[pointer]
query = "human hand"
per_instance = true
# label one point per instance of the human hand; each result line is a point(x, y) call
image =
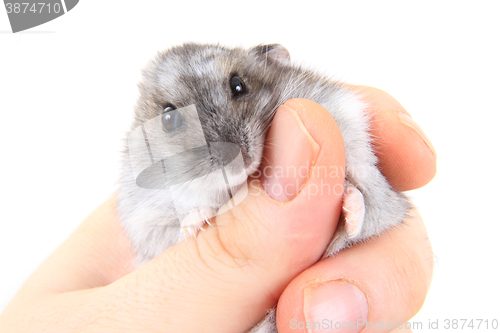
point(225, 279)
point(393, 271)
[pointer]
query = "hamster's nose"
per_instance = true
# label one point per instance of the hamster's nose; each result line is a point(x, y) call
point(223, 153)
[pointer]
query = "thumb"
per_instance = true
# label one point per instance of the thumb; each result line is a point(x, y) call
point(225, 279)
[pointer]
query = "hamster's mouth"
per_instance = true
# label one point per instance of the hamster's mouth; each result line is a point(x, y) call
point(252, 168)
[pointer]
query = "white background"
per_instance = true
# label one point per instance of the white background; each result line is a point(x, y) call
point(67, 90)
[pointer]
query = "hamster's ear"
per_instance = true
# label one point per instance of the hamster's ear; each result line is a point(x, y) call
point(273, 52)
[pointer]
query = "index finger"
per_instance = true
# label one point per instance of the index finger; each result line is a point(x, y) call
point(407, 158)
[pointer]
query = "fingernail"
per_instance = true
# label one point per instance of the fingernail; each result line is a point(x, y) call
point(288, 157)
point(408, 121)
point(336, 306)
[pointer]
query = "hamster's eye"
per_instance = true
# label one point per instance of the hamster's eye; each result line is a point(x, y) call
point(237, 85)
point(171, 119)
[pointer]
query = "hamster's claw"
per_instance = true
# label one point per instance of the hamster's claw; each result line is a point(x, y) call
point(353, 207)
point(196, 220)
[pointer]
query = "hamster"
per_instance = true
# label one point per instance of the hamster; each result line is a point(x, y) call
point(196, 94)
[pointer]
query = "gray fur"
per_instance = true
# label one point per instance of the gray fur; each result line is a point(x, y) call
point(199, 74)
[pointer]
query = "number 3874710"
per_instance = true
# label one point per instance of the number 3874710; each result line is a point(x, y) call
point(32, 8)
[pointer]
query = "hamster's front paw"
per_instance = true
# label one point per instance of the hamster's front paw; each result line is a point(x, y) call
point(367, 211)
point(195, 220)
point(353, 208)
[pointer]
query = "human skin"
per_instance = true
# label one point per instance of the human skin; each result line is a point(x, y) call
point(262, 252)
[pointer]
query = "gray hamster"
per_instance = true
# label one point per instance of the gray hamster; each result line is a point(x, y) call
point(194, 94)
